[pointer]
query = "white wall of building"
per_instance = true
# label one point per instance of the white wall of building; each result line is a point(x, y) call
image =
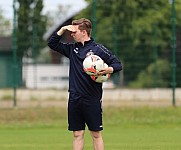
point(43, 76)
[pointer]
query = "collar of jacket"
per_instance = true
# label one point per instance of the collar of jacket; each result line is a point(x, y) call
point(86, 42)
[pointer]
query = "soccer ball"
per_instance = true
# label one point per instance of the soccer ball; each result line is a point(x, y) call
point(101, 78)
point(93, 64)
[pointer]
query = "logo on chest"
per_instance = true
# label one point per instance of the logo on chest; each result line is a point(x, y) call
point(89, 53)
point(76, 50)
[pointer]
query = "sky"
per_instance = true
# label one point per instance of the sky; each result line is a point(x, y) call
point(49, 5)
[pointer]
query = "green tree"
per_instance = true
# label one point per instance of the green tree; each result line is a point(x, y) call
point(38, 28)
point(5, 25)
point(133, 29)
point(23, 27)
point(31, 26)
point(146, 77)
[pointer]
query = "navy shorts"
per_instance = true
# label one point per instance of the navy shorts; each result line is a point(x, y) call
point(82, 112)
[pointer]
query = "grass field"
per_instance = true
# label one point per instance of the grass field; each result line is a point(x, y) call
point(126, 128)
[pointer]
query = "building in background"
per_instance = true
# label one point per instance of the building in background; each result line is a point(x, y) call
point(7, 65)
point(5, 62)
point(42, 76)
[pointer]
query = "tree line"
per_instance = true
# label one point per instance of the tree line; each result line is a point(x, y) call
point(140, 33)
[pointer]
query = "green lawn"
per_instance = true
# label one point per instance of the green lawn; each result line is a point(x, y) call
point(140, 128)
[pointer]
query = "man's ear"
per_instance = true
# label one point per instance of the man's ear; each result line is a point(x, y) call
point(84, 32)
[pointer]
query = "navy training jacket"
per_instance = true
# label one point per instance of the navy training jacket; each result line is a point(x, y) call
point(79, 82)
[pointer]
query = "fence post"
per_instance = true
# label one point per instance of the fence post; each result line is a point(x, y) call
point(14, 47)
point(173, 52)
point(94, 19)
point(155, 55)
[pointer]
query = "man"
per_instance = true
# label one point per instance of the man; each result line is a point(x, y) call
point(85, 95)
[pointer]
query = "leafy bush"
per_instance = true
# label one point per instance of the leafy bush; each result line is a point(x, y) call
point(157, 74)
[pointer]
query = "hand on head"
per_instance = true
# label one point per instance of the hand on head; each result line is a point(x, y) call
point(70, 28)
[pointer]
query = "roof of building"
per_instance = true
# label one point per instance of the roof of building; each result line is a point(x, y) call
point(5, 43)
point(60, 22)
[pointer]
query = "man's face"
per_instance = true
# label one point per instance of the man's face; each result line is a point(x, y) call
point(78, 35)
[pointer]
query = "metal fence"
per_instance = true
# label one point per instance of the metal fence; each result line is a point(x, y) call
point(146, 64)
